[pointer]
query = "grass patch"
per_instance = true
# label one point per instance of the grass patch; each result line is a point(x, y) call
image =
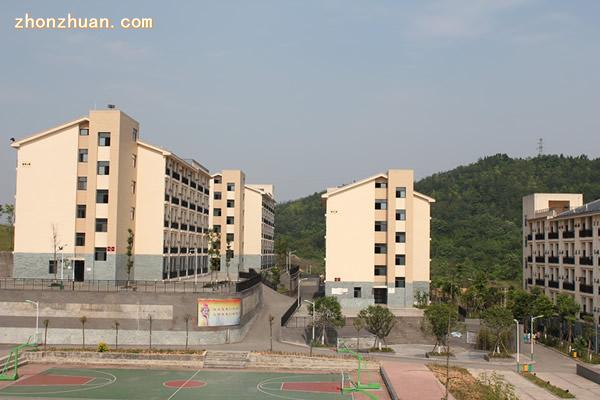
point(105, 349)
point(6, 238)
point(464, 386)
point(562, 393)
point(440, 354)
point(383, 350)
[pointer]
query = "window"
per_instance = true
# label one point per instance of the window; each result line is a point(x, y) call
point(400, 259)
point(103, 139)
point(134, 134)
point(101, 225)
point(400, 215)
point(380, 226)
point(133, 185)
point(84, 132)
point(216, 212)
point(230, 203)
point(400, 192)
point(381, 185)
point(81, 208)
point(229, 237)
point(103, 167)
point(357, 292)
point(102, 196)
point(100, 254)
point(217, 228)
point(82, 183)
point(380, 270)
point(83, 155)
point(381, 204)
point(132, 213)
point(230, 187)
point(400, 282)
point(230, 220)
point(400, 237)
point(134, 160)
point(380, 248)
point(51, 267)
point(80, 239)
point(218, 179)
point(217, 196)
point(229, 254)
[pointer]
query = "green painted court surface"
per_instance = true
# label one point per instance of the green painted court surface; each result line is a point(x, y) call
point(139, 384)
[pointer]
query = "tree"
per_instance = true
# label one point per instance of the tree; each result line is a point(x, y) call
point(150, 331)
point(379, 321)
point(542, 305)
point(83, 320)
point(281, 249)
point(441, 319)
point(587, 334)
point(214, 252)
point(46, 323)
point(358, 324)
point(117, 324)
point(187, 318)
point(55, 246)
point(9, 210)
point(567, 309)
point(328, 313)
point(499, 320)
point(129, 252)
point(520, 304)
point(228, 259)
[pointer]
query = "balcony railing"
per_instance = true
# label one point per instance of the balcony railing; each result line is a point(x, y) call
point(553, 284)
point(540, 236)
point(540, 282)
point(540, 259)
point(529, 259)
point(585, 233)
point(585, 288)
point(583, 315)
point(586, 261)
point(568, 260)
point(568, 285)
point(553, 235)
point(553, 260)
point(529, 237)
point(529, 281)
point(568, 234)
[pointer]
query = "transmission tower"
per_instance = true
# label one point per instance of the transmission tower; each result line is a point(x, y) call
point(540, 146)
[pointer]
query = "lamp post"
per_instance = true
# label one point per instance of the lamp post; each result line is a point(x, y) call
point(62, 260)
point(193, 251)
point(37, 318)
point(289, 259)
point(300, 280)
point(531, 331)
point(313, 320)
point(517, 322)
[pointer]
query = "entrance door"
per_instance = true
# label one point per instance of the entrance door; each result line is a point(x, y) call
point(380, 295)
point(79, 270)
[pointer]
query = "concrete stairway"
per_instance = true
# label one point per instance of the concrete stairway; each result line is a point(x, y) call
point(226, 359)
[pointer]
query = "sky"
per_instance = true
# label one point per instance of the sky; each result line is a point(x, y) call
point(311, 94)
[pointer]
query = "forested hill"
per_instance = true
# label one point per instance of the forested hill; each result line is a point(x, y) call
point(476, 220)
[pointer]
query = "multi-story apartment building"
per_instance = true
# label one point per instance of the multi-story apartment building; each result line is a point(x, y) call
point(259, 227)
point(377, 241)
point(561, 242)
point(85, 187)
point(226, 217)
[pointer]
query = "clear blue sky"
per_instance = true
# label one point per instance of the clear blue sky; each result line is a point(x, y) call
point(304, 94)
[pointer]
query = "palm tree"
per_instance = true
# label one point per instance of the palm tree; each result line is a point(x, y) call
point(46, 322)
point(186, 318)
point(129, 254)
point(83, 320)
point(117, 334)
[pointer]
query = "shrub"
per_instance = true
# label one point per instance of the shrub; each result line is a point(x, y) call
point(102, 347)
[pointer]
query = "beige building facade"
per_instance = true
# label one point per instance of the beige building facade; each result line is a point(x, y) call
point(84, 187)
point(259, 226)
point(377, 241)
point(561, 248)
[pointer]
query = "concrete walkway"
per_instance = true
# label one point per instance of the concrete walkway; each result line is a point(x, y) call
point(582, 388)
point(413, 381)
point(524, 389)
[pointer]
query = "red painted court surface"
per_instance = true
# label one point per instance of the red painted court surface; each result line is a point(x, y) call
point(53, 380)
point(322, 387)
point(183, 384)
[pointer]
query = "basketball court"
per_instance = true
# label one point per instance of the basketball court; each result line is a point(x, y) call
point(51, 382)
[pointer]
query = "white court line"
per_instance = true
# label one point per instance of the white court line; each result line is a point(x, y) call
point(183, 385)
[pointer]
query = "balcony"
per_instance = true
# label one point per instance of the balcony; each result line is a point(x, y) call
point(585, 233)
point(540, 236)
point(553, 260)
point(540, 259)
point(568, 234)
point(585, 288)
point(583, 315)
point(529, 281)
point(540, 282)
point(529, 259)
point(586, 261)
point(553, 284)
point(553, 235)
point(568, 260)
point(568, 286)
point(529, 237)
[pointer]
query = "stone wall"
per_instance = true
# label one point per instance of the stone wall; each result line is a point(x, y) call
point(63, 310)
point(6, 264)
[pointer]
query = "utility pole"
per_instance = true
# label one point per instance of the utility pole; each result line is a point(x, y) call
point(540, 146)
point(271, 318)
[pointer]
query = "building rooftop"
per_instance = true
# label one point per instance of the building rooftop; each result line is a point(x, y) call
point(588, 208)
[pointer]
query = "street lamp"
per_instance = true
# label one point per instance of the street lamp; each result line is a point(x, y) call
point(37, 318)
point(313, 321)
point(62, 260)
point(289, 259)
point(300, 280)
point(517, 322)
point(193, 251)
point(531, 331)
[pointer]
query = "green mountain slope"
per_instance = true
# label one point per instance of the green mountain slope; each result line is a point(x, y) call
point(476, 220)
